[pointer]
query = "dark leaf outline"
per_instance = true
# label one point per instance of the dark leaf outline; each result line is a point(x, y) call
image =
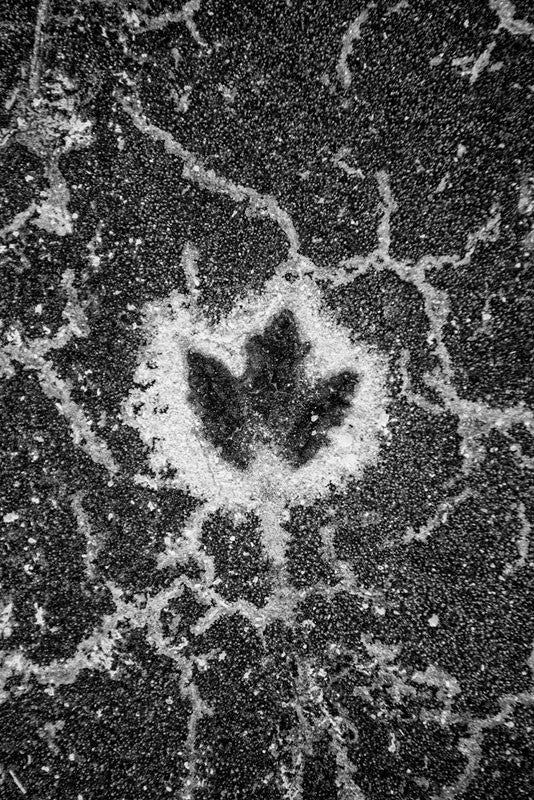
point(272, 401)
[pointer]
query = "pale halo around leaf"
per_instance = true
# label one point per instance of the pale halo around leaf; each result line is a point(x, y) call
point(159, 409)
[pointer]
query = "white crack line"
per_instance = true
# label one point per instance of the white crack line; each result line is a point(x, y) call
point(505, 10)
point(471, 745)
point(92, 545)
point(352, 34)
point(437, 310)
point(261, 205)
point(144, 23)
point(35, 66)
point(32, 356)
point(440, 517)
point(59, 390)
point(522, 542)
point(18, 221)
point(469, 66)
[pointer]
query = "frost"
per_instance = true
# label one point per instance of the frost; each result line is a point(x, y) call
point(52, 213)
point(47, 123)
point(505, 10)
point(353, 33)
point(6, 624)
point(32, 355)
point(160, 410)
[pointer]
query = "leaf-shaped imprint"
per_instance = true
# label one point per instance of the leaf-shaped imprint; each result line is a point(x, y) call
point(272, 402)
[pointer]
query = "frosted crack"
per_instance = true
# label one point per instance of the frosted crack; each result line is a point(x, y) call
point(143, 23)
point(92, 544)
point(32, 356)
point(440, 517)
point(35, 66)
point(178, 550)
point(59, 390)
point(188, 263)
point(505, 10)
point(473, 68)
point(352, 34)
point(471, 745)
point(193, 170)
point(93, 652)
point(475, 418)
point(18, 221)
point(522, 542)
point(199, 710)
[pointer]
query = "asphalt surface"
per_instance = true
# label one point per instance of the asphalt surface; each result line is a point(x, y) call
point(267, 400)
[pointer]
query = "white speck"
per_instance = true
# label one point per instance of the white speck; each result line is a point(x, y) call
point(433, 621)
point(12, 516)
